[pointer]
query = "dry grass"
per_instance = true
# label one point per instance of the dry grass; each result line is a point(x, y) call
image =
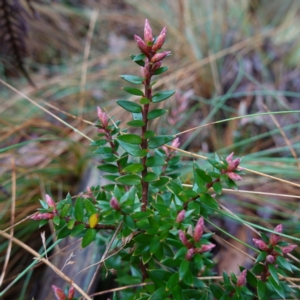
point(237, 60)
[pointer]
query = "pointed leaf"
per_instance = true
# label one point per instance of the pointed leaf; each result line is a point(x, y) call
point(130, 106)
point(133, 79)
point(133, 91)
point(161, 96)
point(184, 267)
point(133, 168)
point(131, 179)
point(78, 212)
point(130, 138)
point(132, 149)
point(136, 123)
point(88, 237)
point(160, 70)
point(109, 168)
point(159, 140)
point(156, 113)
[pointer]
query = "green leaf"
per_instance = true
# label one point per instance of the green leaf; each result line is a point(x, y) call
point(261, 256)
point(136, 123)
point(130, 179)
point(150, 177)
point(156, 113)
point(160, 70)
point(130, 106)
point(160, 182)
point(181, 253)
point(128, 279)
point(159, 294)
point(217, 188)
point(88, 237)
point(154, 244)
point(64, 211)
point(132, 149)
point(133, 91)
point(78, 212)
point(202, 174)
point(89, 206)
point(172, 281)
point(56, 220)
point(251, 279)
point(146, 256)
point(273, 272)
point(144, 100)
point(159, 140)
point(77, 229)
point(154, 161)
point(161, 96)
point(277, 287)
point(133, 79)
point(129, 222)
point(261, 289)
point(209, 201)
point(133, 168)
point(184, 267)
point(216, 291)
point(70, 224)
point(283, 263)
point(130, 138)
point(109, 168)
point(149, 134)
point(64, 232)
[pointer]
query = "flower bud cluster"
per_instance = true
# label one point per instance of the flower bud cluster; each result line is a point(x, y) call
point(233, 165)
point(197, 234)
point(47, 215)
point(60, 295)
point(151, 48)
point(102, 116)
point(270, 246)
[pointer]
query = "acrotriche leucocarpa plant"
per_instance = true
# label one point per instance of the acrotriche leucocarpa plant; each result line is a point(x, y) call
point(162, 246)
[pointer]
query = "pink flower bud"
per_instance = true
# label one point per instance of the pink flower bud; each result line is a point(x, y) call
point(184, 240)
point(42, 216)
point(59, 294)
point(275, 238)
point(148, 37)
point(102, 117)
point(141, 44)
point(160, 56)
point(260, 244)
point(50, 202)
point(242, 278)
point(229, 157)
point(166, 149)
point(205, 248)
point(101, 130)
point(175, 143)
point(289, 248)
point(156, 66)
point(114, 203)
point(160, 40)
point(234, 176)
point(270, 259)
point(71, 293)
point(189, 255)
point(180, 216)
point(198, 232)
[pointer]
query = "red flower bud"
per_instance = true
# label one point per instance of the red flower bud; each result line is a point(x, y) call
point(160, 40)
point(160, 56)
point(260, 244)
point(71, 293)
point(114, 203)
point(59, 294)
point(141, 44)
point(42, 216)
point(156, 66)
point(242, 278)
point(234, 176)
point(180, 216)
point(198, 231)
point(205, 248)
point(289, 248)
point(189, 255)
point(148, 37)
point(102, 117)
point(184, 240)
point(270, 259)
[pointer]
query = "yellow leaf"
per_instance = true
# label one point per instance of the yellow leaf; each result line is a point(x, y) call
point(93, 220)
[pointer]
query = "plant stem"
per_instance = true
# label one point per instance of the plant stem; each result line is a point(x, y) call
point(148, 95)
